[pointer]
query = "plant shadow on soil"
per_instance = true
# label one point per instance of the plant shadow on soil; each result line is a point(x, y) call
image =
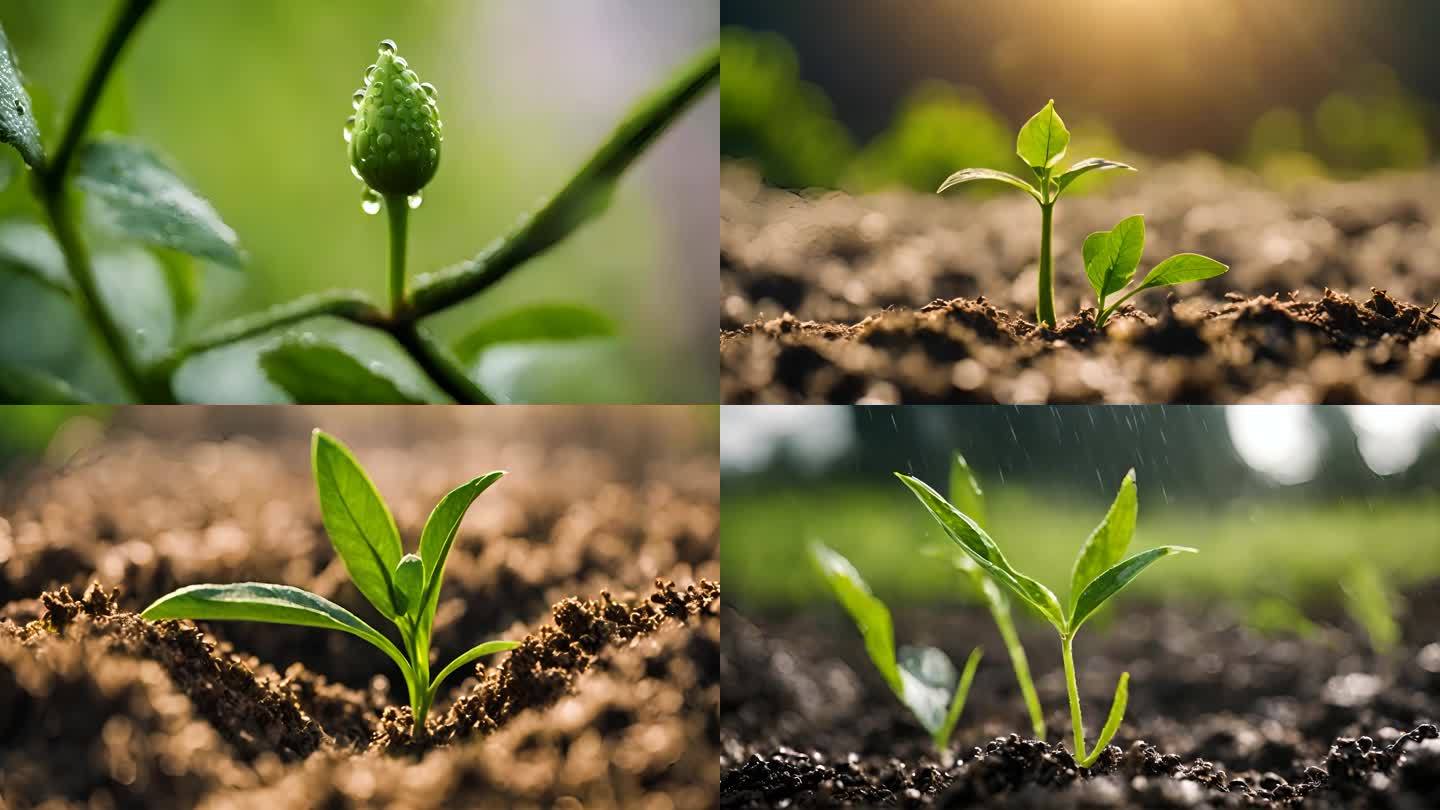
point(1331, 296)
point(1218, 717)
point(610, 701)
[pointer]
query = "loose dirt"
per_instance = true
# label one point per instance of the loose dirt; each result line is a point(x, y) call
point(611, 700)
point(1331, 296)
point(1219, 716)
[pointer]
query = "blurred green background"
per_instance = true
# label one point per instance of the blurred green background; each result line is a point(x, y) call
point(1285, 503)
point(248, 100)
point(863, 95)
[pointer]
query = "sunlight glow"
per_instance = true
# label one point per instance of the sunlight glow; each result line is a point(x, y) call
point(1280, 441)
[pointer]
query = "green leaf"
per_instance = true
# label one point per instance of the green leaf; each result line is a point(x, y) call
point(1112, 722)
point(478, 651)
point(983, 551)
point(275, 604)
point(957, 703)
point(1112, 266)
point(581, 199)
point(540, 322)
point(359, 524)
point(1107, 544)
point(1181, 268)
point(969, 175)
point(132, 284)
point(17, 115)
point(1044, 138)
point(927, 681)
point(182, 280)
point(1077, 170)
point(438, 536)
point(409, 580)
point(1113, 579)
point(1370, 601)
point(27, 386)
point(314, 373)
point(134, 194)
point(870, 615)
point(29, 249)
point(965, 490)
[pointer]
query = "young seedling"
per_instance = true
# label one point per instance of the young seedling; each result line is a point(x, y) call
point(965, 492)
point(405, 588)
point(921, 677)
point(1042, 143)
point(1099, 573)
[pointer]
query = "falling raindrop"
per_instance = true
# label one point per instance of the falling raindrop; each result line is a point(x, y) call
point(415, 200)
point(387, 46)
point(349, 128)
point(370, 201)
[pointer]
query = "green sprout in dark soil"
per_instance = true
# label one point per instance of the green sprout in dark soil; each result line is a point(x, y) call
point(1099, 573)
point(1110, 256)
point(405, 588)
point(921, 677)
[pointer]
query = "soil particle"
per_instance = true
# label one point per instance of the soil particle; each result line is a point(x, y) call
point(1326, 301)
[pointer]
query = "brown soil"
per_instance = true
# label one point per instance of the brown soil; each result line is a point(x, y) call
point(610, 701)
point(1331, 296)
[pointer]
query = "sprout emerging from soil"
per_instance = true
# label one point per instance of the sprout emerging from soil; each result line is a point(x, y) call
point(1110, 256)
point(405, 588)
point(1099, 573)
point(921, 677)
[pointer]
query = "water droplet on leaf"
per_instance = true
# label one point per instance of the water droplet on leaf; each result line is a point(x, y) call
point(370, 202)
point(415, 200)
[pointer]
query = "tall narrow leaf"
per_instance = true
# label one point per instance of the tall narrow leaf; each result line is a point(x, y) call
point(439, 535)
point(1111, 581)
point(869, 613)
point(957, 702)
point(1044, 139)
point(359, 524)
point(983, 550)
point(1107, 544)
point(965, 490)
point(1117, 713)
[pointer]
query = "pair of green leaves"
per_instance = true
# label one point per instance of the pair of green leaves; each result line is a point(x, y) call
point(404, 588)
point(1042, 144)
point(1112, 256)
point(921, 677)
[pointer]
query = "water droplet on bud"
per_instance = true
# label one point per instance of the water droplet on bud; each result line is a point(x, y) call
point(357, 98)
point(370, 201)
point(370, 72)
point(430, 90)
point(356, 172)
point(349, 128)
point(401, 63)
point(415, 200)
point(387, 46)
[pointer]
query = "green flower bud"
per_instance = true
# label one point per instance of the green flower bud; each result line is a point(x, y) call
point(394, 135)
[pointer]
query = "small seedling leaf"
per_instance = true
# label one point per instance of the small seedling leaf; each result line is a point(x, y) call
point(359, 524)
point(1117, 714)
point(1113, 579)
point(1107, 545)
point(870, 615)
point(261, 602)
point(1111, 264)
point(17, 114)
point(439, 535)
point(983, 550)
point(970, 175)
point(581, 199)
point(927, 681)
point(313, 373)
point(957, 702)
point(478, 651)
point(541, 322)
point(1371, 602)
point(409, 581)
point(1077, 170)
point(1181, 268)
point(134, 194)
point(1044, 138)
point(28, 386)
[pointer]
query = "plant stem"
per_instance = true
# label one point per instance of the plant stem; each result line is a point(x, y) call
point(1045, 304)
point(77, 262)
point(398, 210)
point(435, 361)
point(1021, 666)
point(128, 18)
point(1073, 689)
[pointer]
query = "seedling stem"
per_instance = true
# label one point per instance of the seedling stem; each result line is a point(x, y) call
point(1045, 302)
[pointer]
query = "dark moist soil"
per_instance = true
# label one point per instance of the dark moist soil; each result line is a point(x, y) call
point(611, 700)
point(1331, 295)
point(1218, 716)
